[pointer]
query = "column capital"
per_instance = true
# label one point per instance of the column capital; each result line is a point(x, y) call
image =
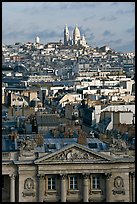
point(41, 176)
point(132, 173)
point(85, 175)
point(108, 175)
point(63, 176)
point(12, 176)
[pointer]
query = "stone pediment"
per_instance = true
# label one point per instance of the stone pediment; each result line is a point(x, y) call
point(73, 153)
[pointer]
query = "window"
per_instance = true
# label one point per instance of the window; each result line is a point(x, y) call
point(73, 183)
point(51, 183)
point(93, 145)
point(95, 182)
point(51, 146)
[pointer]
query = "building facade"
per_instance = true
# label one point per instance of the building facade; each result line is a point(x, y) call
point(72, 174)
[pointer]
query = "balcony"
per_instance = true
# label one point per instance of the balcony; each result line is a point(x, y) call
point(6, 155)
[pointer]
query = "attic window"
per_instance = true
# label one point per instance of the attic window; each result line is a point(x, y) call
point(101, 146)
point(65, 144)
point(93, 145)
point(51, 146)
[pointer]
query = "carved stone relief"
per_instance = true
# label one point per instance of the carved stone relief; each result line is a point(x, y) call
point(118, 186)
point(74, 154)
point(28, 187)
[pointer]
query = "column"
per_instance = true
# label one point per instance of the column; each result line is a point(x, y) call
point(63, 187)
point(86, 188)
point(108, 187)
point(133, 185)
point(41, 187)
point(130, 187)
point(12, 188)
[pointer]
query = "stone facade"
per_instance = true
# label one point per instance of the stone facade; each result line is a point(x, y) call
point(73, 173)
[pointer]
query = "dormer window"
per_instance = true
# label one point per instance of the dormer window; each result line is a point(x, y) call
point(51, 146)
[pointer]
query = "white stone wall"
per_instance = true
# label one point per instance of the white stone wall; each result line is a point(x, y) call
point(27, 171)
point(119, 197)
point(126, 118)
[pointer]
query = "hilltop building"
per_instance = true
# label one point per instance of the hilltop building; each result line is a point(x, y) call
point(77, 39)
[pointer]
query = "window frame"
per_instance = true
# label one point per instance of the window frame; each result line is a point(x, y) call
point(95, 182)
point(74, 185)
point(50, 185)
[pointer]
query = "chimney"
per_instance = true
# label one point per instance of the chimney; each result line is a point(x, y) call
point(82, 138)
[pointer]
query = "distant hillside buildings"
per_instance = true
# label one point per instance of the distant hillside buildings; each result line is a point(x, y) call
point(68, 122)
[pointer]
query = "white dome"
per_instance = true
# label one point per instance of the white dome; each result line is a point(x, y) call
point(76, 32)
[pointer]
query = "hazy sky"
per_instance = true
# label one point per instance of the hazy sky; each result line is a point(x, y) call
point(111, 23)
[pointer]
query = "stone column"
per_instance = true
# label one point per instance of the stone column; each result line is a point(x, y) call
point(132, 174)
point(41, 187)
point(12, 188)
point(133, 186)
point(85, 188)
point(108, 187)
point(63, 187)
point(130, 187)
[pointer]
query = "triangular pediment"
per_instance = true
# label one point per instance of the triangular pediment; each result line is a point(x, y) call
point(73, 153)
